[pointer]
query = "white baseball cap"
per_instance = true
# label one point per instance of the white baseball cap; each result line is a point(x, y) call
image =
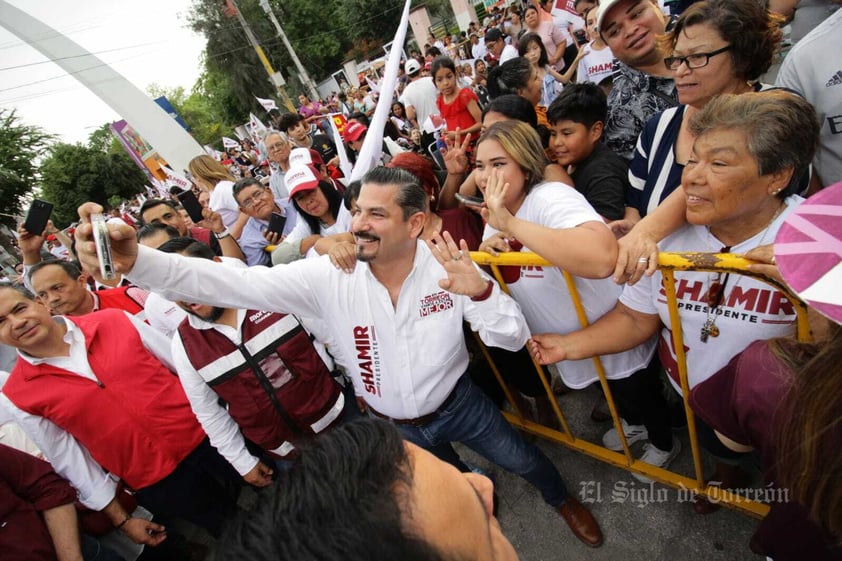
point(300, 178)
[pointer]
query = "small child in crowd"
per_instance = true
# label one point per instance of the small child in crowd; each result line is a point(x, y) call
point(577, 117)
point(458, 107)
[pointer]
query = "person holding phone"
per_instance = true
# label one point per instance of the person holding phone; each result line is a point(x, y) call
point(269, 220)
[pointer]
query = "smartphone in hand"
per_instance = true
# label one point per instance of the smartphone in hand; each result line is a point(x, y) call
point(276, 223)
point(192, 205)
point(37, 217)
point(467, 200)
point(103, 247)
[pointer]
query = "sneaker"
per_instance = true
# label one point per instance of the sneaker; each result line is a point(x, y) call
point(658, 458)
point(611, 438)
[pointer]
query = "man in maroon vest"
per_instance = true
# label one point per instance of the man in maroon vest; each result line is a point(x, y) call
point(97, 396)
point(266, 368)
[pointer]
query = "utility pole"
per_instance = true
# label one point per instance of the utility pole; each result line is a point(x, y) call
point(302, 72)
point(275, 77)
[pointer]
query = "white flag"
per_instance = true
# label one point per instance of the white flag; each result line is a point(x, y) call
point(344, 163)
point(268, 104)
point(176, 179)
point(372, 147)
point(229, 143)
point(258, 129)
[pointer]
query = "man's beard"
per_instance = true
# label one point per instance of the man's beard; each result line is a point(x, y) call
point(363, 257)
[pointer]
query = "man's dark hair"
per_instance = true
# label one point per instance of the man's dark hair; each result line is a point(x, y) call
point(175, 190)
point(344, 498)
point(334, 202)
point(432, 51)
point(19, 288)
point(71, 268)
point(289, 120)
point(187, 247)
point(411, 195)
point(583, 103)
point(152, 203)
point(149, 230)
point(247, 182)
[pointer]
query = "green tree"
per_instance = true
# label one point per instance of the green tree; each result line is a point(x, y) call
point(21, 147)
point(202, 115)
point(73, 173)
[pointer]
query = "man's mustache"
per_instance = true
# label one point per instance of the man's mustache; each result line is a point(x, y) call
point(366, 236)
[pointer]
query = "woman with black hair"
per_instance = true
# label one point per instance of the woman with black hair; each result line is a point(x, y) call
point(518, 76)
point(320, 213)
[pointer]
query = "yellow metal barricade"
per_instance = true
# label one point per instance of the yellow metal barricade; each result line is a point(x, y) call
point(667, 264)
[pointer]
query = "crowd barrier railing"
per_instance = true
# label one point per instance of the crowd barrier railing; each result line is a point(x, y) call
point(668, 263)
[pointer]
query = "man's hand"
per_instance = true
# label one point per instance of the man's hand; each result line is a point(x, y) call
point(273, 238)
point(259, 476)
point(30, 244)
point(547, 348)
point(123, 242)
point(456, 157)
point(212, 221)
point(144, 531)
point(462, 276)
point(344, 256)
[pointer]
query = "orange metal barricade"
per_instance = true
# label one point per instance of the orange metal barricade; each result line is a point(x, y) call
point(667, 264)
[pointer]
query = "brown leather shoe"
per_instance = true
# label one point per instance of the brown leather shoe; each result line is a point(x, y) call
point(581, 522)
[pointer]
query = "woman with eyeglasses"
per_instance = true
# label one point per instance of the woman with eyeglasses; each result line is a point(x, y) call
point(718, 46)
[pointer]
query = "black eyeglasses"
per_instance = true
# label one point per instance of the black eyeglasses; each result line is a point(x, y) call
point(696, 60)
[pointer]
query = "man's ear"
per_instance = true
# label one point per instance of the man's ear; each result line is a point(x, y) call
point(416, 223)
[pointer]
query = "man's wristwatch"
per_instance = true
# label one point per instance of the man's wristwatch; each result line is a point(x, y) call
point(223, 234)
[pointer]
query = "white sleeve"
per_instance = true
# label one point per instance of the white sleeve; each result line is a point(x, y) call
point(223, 431)
point(497, 319)
point(561, 206)
point(68, 457)
point(289, 288)
point(155, 342)
point(300, 231)
point(638, 297)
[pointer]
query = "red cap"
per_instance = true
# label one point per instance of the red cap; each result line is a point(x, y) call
point(300, 178)
point(353, 131)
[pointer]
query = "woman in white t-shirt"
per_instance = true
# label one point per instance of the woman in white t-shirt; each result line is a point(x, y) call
point(320, 213)
point(526, 213)
point(213, 177)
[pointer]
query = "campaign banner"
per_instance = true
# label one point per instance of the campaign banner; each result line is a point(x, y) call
point(229, 143)
point(267, 104)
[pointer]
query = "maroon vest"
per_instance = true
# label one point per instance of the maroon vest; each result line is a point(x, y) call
point(277, 387)
point(136, 423)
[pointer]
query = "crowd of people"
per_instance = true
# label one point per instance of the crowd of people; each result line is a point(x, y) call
point(303, 335)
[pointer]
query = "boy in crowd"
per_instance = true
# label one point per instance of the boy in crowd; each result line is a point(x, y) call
point(295, 126)
point(577, 119)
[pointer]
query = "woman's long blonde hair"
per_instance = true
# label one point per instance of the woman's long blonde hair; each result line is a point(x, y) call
point(209, 170)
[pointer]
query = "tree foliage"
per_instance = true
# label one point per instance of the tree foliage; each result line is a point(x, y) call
point(206, 122)
point(21, 147)
point(73, 173)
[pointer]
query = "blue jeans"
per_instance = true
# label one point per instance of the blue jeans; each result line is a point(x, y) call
point(472, 419)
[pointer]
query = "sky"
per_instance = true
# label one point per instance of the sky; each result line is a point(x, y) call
point(147, 42)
